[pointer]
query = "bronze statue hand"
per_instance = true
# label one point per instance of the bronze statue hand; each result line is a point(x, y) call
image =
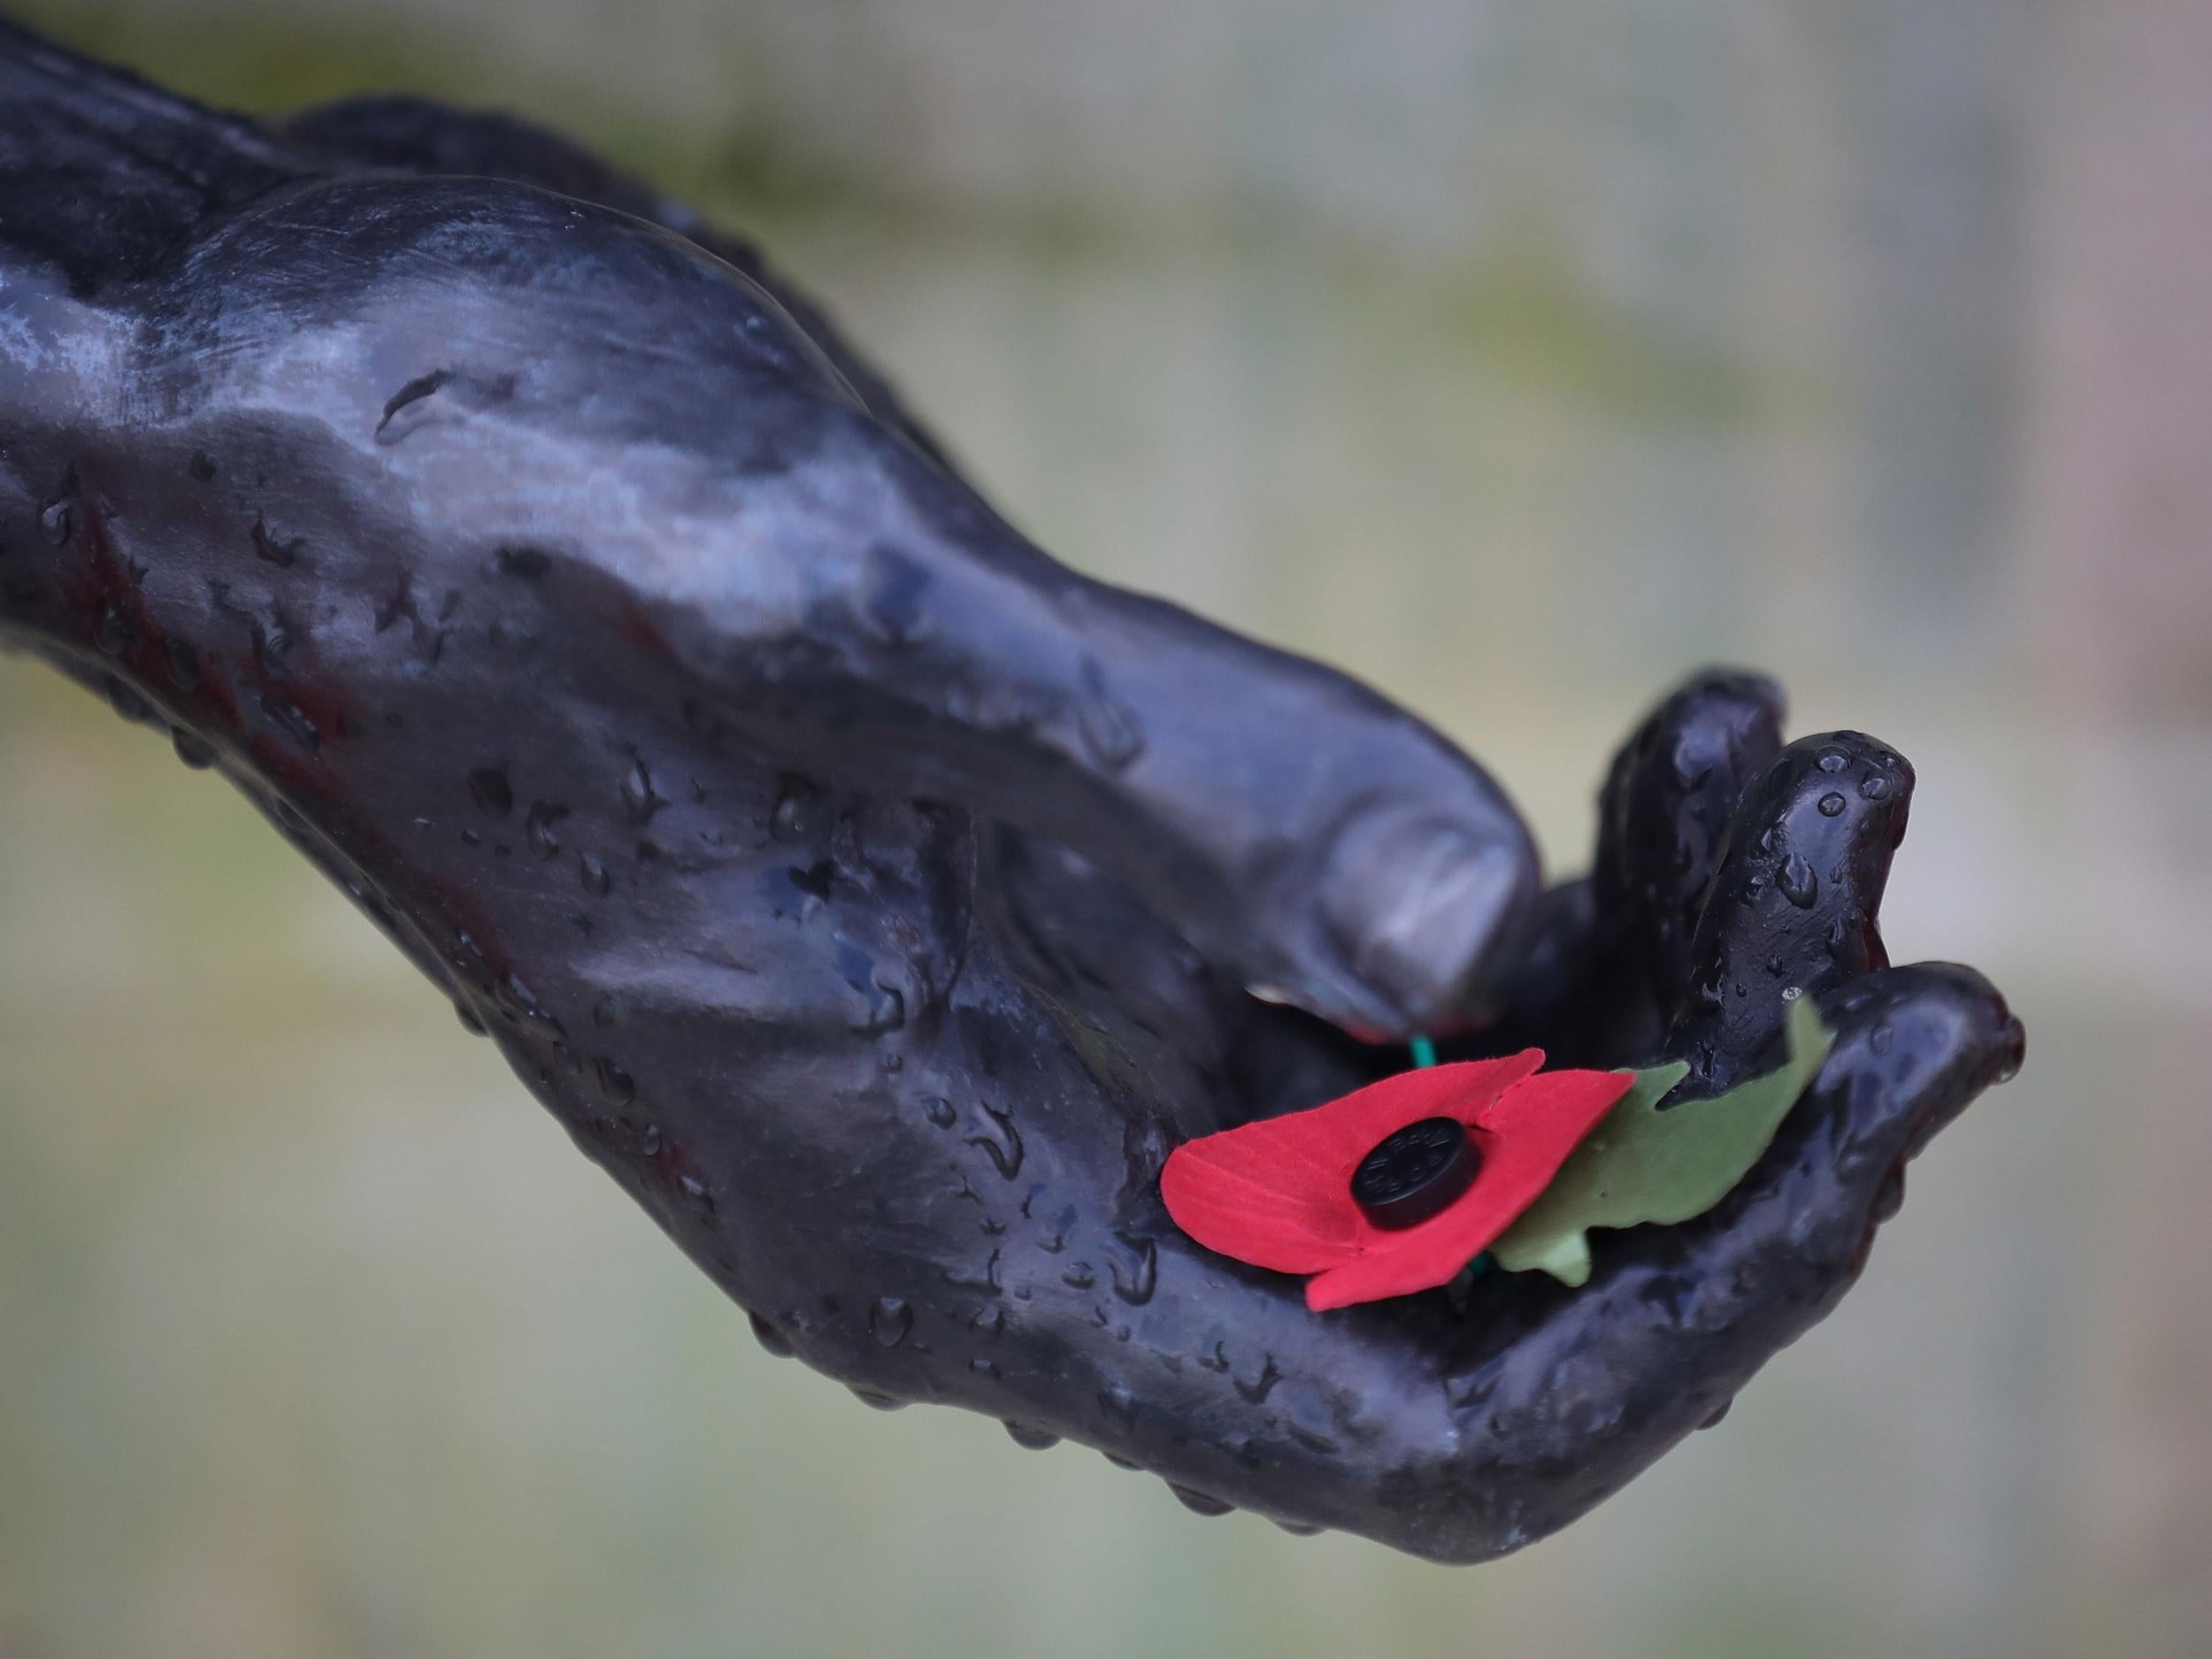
point(875, 900)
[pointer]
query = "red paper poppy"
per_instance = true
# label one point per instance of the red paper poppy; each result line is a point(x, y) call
point(1279, 1194)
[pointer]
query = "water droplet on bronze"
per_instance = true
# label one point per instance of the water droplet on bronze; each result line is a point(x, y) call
point(1003, 1145)
point(1108, 727)
point(403, 411)
point(1797, 882)
point(127, 701)
point(891, 598)
point(271, 548)
point(2013, 1054)
point(617, 1085)
point(889, 1320)
point(184, 666)
point(114, 634)
point(488, 788)
point(1199, 1502)
point(640, 800)
point(800, 814)
point(1135, 1285)
point(1120, 1406)
point(540, 827)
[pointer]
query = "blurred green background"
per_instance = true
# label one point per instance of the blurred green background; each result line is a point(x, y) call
point(1516, 359)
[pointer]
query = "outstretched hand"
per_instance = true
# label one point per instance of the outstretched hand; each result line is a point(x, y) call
point(875, 900)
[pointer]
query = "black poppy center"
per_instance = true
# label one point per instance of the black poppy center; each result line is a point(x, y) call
point(1416, 1172)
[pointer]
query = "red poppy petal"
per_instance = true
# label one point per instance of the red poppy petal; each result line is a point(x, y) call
point(1546, 1106)
point(1397, 1269)
point(1278, 1193)
point(1229, 1211)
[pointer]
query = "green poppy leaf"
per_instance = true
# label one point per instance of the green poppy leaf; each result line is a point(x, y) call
point(1641, 1164)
